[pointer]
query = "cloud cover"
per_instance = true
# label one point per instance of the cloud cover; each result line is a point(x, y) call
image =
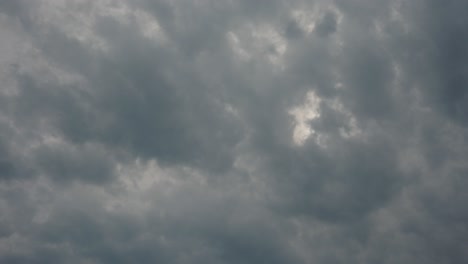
point(172, 131)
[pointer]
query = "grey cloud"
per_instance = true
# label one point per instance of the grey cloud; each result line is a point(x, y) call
point(430, 48)
point(327, 24)
point(134, 101)
point(369, 76)
point(63, 163)
point(6, 166)
point(163, 131)
point(292, 30)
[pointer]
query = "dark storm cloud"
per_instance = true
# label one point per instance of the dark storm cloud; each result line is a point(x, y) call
point(132, 99)
point(293, 31)
point(435, 56)
point(233, 132)
point(326, 25)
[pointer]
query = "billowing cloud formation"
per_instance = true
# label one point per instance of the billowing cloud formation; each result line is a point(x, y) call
point(170, 131)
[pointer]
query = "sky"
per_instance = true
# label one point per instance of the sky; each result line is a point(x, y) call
point(234, 131)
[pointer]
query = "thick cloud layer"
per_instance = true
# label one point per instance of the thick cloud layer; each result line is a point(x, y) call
point(171, 131)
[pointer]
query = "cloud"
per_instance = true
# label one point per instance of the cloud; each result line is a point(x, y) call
point(233, 132)
point(327, 24)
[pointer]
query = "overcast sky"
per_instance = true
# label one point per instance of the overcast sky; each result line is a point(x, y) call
point(234, 131)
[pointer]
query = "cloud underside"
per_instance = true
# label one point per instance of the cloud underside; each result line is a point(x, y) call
point(172, 131)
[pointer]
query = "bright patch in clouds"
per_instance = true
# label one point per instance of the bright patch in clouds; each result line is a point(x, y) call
point(302, 115)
